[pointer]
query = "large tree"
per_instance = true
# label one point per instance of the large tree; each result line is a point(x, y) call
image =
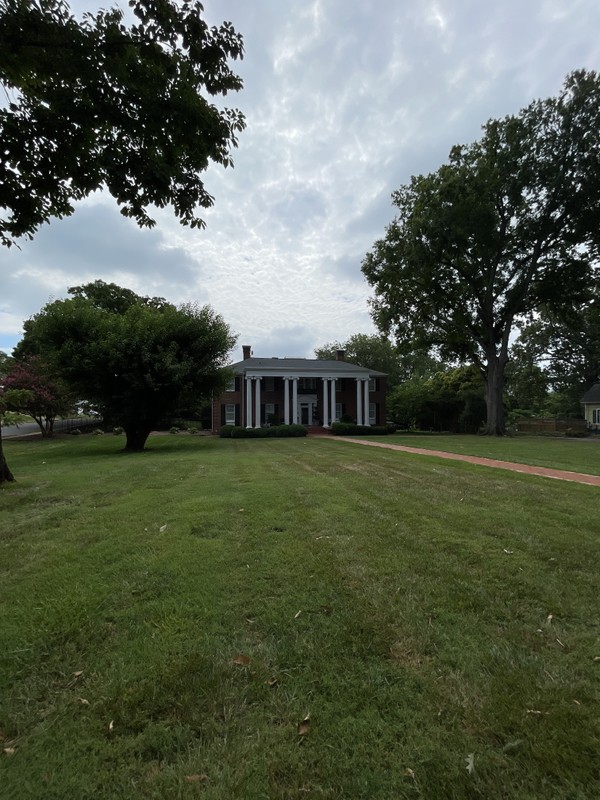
point(511, 223)
point(137, 359)
point(567, 346)
point(378, 352)
point(95, 104)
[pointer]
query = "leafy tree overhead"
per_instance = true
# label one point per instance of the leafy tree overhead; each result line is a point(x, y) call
point(45, 398)
point(138, 360)
point(96, 104)
point(510, 224)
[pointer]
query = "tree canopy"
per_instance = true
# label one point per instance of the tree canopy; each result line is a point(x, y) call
point(44, 397)
point(510, 224)
point(96, 104)
point(378, 352)
point(567, 346)
point(137, 360)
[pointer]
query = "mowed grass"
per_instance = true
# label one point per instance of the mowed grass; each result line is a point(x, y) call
point(576, 455)
point(436, 622)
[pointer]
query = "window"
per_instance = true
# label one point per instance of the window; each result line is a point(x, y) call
point(372, 384)
point(338, 412)
point(307, 384)
point(596, 416)
point(269, 384)
point(230, 414)
point(230, 386)
point(372, 413)
point(269, 411)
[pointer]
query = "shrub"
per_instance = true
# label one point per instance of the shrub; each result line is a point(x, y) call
point(97, 432)
point(350, 429)
point(174, 429)
point(295, 430)
point(75, 432)
point(193, 429)
point(118, 431)
point(238, 432)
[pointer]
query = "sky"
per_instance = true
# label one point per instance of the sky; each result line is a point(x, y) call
point(344, 101)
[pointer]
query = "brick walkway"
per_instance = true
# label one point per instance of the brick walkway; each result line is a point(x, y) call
point(544, 472)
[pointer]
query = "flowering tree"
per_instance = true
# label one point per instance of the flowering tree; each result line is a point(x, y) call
point(43, 399)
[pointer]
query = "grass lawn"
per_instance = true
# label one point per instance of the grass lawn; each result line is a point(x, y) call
point(577, 455)
point(287, 618)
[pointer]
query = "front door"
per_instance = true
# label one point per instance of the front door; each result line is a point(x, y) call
point(305, 413)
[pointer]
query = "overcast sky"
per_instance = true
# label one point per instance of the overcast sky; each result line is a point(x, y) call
point(344, 101)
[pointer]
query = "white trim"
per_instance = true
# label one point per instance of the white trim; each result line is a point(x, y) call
point(257, 404)
point(325, 403)
point(248, 402)
point(295, 399)
point(286, 400)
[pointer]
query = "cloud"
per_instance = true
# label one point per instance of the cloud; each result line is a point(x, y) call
point(344, 102)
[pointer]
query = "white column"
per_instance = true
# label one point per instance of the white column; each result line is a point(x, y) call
point(248, 402)
point(358, 402)
point(333, 400)
point(325, 404)
point(294, 400)
point(366, 409)
point(257, 403)
point(286, 400)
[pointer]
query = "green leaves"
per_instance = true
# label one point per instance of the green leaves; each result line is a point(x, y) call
point(137, 359)
point(510, 223)
point(98, 104)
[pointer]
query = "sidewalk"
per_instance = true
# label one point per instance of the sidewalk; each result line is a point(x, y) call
point(528, 469)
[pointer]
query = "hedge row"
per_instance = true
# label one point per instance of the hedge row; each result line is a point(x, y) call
point(238, 432)
point(351, 429)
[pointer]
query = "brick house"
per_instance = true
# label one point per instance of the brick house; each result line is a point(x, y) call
point(308, 391)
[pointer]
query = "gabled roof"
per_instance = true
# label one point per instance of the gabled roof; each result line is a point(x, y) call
point(308, 366)
point(592, 395)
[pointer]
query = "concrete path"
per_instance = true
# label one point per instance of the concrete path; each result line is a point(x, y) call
point(528, 469)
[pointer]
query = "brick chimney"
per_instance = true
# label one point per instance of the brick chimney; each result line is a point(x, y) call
point(246, 351)
point(339, 355)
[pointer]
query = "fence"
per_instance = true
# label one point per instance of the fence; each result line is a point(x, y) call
point(550, 425)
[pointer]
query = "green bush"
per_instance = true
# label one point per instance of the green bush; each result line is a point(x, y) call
point(75, 432)
point(97, 432)
point(350, 429)
point(193, 429)
point(239, 432)
point(293, 430)
point(118, 431)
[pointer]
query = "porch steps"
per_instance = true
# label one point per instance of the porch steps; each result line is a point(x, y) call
point(318, 430)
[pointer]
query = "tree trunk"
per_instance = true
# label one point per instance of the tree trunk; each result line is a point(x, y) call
point(6, 475)
point(494, 392)
point(136, 438)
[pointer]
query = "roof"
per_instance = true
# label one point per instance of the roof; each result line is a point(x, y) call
point(592, 395)
point(308, 367)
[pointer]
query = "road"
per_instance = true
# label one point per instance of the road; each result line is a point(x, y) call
point(29, 428)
